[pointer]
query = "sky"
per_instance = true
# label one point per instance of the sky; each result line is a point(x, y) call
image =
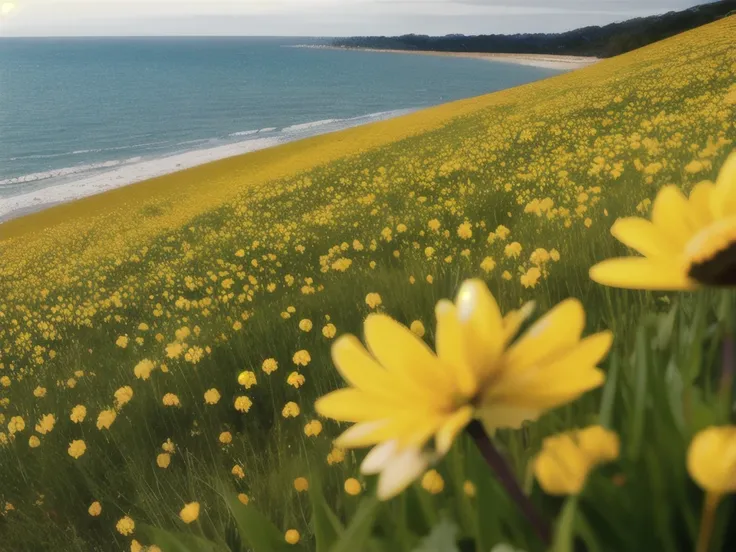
point(314, 17)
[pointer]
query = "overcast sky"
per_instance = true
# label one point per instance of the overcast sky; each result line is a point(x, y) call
point(314, 17)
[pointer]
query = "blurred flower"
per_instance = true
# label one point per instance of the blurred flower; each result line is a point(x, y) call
point(292, 536)
point(373, 300)
point(76, 448)
point(353, 487)
point(689, 242)
point(301, 484)
point(212, 396)
point(269, 365)
point(432, 482)
point(711, 459)
point(125, 526)
point(190, 512)
point(95, 509)
point(563, 464)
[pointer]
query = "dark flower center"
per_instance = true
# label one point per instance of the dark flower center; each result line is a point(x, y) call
point(717, 270)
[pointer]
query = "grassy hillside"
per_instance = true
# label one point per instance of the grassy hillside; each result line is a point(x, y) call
point(143, 305)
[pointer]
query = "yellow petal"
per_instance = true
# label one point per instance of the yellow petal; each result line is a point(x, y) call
point(554, 333)
point(408, 358)
point(671, 215)
point(360, 369)
point(514, 320)
point(641, 273)
point(451, 427)
point(365, 433)
point(353, 405)
point(561, 469)
point(405, 467)
point(379, 457)
point(711, 459)
point(598, 444)
point(645, 237)
point(482, 325)
point(723, 199)
point(451, 349)
point(700, 203)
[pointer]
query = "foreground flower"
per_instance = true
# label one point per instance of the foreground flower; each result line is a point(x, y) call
point(689, 242)
point(711, 462)
point(411, 403)
point(565, 460)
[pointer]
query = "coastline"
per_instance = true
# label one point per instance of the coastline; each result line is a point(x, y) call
point(545, 61)
point(126, 173)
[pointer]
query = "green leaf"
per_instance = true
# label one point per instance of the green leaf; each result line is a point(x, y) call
point(176, 542)
point(608, 399)
point(358, 532)
point(638, 418)
point(325, 523)
point(442, 538)
point(255, 529)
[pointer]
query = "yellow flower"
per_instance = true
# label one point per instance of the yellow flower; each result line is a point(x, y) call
point(247, 379)
point(353, 487)
point(76, 448)
point(305, 325)
point(105, 419)
point(243, 498)
point(373, 300)
point(301, 358)
point(329, 331)
point(531, 277)
point(16, 424)
point(135, 546)
point(401, 395)
point(143, 369)
point(336, 456)
point(512, 250)
point(432, 482)
point(269, 365)
point(39, 392)
point(226, 438)
point(290, 410)
point(125, 526)
point(122, 341)
point(168, 446)
point(465, 231)
point(238, 471)
point(469, 489)
point(563, 464)
point(243, 404)
point(292, 536)
point(95, 509)
point(711, 459)
point(295, 379)
point(418, 328)
point(169, 399)
point(488, 264)
point(313, 428)
point(689, 242)
point(78, 414)
point(506, 275)
point(301, 484)
point(212, 396)
point(190, 512)
point(45, 424)
point(34, 441)
point(123, 396)
point(163, 460)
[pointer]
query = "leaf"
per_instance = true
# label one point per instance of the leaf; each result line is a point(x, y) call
point(176, 542)
point(255, 529)
point(608, 399)
point(442, 538)
point(325, 523)
point(564, 539)
point(358, 532)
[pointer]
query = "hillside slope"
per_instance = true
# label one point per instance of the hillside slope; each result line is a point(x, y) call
point(128, 316)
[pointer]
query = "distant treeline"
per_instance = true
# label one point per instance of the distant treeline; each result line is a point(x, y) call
point(606, 41)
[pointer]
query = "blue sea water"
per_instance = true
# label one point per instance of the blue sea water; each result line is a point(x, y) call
point(74, 107)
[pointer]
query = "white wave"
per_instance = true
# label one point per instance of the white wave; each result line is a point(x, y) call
point(308, 126)
point(56, 173)
point(244, 133)
point(268, 129)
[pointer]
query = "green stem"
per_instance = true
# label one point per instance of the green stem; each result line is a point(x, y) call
point(565, 530)
point(708, 521)
point(506, 477)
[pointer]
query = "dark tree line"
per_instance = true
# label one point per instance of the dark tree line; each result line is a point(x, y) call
point(609, 40)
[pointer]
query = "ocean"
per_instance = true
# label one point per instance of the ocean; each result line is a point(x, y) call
point(81, 115)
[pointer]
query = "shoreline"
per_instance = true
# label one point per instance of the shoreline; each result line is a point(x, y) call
point(544, 61)
point(125, 174)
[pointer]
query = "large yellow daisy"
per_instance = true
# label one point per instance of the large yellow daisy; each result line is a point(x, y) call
point(410, 403)
point(690, 242)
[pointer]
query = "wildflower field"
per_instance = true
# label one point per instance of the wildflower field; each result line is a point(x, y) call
point(162, 345)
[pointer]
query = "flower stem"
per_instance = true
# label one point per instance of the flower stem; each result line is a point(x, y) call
point(500, 467)
point(708, 521)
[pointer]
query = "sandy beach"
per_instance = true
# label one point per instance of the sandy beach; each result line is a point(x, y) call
point(562, 63)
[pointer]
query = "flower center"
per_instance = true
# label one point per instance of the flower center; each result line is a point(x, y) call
point(711, 254)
